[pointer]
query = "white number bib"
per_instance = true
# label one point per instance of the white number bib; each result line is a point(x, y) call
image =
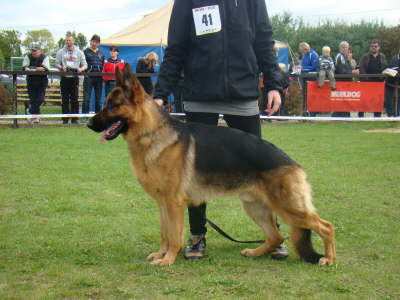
point(207, 19)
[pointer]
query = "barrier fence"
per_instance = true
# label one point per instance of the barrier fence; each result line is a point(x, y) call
point(15, 116)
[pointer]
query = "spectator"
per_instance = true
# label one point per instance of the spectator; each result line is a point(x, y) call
point(95, 61)
point(343, 66)
point(146, 65)
point(70, 59)
point(221, 61)
point(390, 91)
point(326, 68)
point(109, 67)
point(353, 62)
point(309, 64)
point(309, 60)
point(373, 62)
point(285, 86)
point(37, 84)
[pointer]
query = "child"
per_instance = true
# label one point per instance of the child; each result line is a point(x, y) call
point(326, 68)
point(109, 67)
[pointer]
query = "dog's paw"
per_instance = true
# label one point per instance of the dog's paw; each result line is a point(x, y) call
point(162, 262)
point(323, 261)
point(155, 256)
point(249, 252)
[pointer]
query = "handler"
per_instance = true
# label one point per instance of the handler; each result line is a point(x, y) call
point(222, 47)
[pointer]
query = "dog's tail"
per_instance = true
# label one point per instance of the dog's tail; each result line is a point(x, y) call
point(302, 242)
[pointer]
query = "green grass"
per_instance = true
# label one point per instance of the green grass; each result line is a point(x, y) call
point(74, 224)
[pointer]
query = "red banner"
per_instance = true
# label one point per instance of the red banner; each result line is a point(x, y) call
point(348, 96)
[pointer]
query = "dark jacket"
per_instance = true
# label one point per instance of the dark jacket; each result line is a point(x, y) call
point(394, 64)
point(342, 66)
point(95, 60)
point(146, 82)
point(33, 79)
point(223, 65)
point(364, 64)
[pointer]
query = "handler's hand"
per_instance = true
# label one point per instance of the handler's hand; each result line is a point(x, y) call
point(159, 101)
point(274, 102)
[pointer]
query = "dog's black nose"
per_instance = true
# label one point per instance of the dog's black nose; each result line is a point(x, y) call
point(90, 123)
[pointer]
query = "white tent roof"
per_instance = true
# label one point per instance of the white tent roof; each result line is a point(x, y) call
point(151, 30)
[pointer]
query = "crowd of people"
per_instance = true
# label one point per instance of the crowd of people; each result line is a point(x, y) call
point(325, 67)
point(71, 59)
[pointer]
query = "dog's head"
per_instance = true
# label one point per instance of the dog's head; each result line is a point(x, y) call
point(123, 106)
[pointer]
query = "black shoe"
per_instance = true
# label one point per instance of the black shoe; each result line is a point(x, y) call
point(196, 247)
point(280, 253)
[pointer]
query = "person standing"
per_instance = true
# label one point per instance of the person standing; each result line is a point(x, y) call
point(343, 66)
point(70, 59)
point(109, 67)
point(373, 62)
point(37, 84)
point(221, 46)
point(146, 66)
point(390, 91)
point(95, 61)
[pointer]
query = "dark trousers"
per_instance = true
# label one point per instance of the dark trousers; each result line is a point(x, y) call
point(69, 94)
point(250, 124)
point(89, 84)
point(36, 91)
point(109, 85)
point(390, 102)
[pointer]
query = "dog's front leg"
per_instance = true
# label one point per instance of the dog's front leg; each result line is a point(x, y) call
point(164, 235)
point(174, 222)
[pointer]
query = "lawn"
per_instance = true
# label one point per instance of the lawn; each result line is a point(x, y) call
point(74, 224)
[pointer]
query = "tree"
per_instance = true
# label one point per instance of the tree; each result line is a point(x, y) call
point(390, 41)
point(80, 40)
point(10, 43)
point(326, 33)
point(44, 38)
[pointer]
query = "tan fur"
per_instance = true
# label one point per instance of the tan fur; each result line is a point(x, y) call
point(166, 170)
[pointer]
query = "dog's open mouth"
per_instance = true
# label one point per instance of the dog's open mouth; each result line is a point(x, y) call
point(113, 131)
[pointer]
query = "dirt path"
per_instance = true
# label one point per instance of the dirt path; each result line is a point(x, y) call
point(389, 130)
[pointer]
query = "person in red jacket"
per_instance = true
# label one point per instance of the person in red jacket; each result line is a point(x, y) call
point(109, 67)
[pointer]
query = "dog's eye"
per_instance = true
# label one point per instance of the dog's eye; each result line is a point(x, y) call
point(111, 106)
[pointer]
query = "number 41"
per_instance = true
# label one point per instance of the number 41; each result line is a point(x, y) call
point(207, 19)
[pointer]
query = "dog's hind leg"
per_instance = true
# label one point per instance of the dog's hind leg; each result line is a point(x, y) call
point(289, 195)
point(261, 214)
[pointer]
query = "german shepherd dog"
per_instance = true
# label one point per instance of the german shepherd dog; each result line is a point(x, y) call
point(182, 164)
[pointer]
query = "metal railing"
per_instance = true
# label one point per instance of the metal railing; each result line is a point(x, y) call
point(15, 74)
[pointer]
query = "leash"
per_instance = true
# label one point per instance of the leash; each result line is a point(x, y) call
point(224, 234)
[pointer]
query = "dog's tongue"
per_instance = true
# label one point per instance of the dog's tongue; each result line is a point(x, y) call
point(108, 132)
point(102, 138)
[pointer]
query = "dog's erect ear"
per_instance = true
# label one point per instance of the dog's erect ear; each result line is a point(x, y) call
point(124, 79)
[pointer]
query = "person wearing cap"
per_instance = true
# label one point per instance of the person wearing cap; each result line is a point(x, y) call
point(36, 83)
point(70, 59)
point(109, 67)
point(95, 61)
